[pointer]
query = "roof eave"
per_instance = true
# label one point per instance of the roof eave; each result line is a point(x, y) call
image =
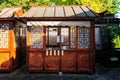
point(57, 18)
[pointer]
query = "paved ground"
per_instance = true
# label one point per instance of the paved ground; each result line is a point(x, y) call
point(102, 73)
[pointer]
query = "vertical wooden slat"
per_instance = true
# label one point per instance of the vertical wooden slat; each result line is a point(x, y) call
point(11, 44)
point(28, 45)
point(92, 55)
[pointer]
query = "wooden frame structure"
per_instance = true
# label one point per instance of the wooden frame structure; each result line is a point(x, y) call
point(60, 39)
point(10, 38)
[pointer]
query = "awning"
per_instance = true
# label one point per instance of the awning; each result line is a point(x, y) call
point(58, 23)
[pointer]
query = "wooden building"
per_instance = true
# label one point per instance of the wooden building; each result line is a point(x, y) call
point(10, 37)
point(60, 39)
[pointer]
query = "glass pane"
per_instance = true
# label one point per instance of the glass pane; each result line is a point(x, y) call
point(51, 37)
point(83, 37)
point(73, 37)
point(64, 36)
point(36, 37)
point(4, 28)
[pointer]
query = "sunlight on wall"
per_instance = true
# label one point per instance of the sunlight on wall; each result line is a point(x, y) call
point(4, 60)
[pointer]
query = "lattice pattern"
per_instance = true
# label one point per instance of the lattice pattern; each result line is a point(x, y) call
point(4, 28)
point(83, 37)
point(36, 37)
point(73, 37)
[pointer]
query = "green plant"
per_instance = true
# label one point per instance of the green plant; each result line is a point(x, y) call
point(107, 43)
point(109, 33)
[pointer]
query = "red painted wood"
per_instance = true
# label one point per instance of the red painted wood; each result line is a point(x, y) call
point(35, 61)
point(52, 63)
point(83, 61)
point(68, 61)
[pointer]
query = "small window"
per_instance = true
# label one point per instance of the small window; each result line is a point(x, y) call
point(4, 29)
point(83, 37)
point(73, 37)
point(36, 37)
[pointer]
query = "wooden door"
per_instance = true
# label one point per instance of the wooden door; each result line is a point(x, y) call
point(83, 46)
point(35, 41)
point(68, 57)
point(52, 57)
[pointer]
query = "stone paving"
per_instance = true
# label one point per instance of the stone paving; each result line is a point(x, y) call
point(102, 73)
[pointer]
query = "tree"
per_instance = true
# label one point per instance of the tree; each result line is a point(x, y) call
point(98, 6)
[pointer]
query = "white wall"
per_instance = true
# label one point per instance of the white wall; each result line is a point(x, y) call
point(97, 38)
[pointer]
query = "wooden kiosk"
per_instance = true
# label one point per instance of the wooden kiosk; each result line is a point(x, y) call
point(10, 37)
point(60, 39)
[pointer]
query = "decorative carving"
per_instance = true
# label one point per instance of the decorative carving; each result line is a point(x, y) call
point(83, 37)
point(35, 60)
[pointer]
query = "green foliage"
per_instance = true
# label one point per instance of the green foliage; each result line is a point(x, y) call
point(117, 41)
point(107, 43)
point(96, 5)
point(99, 6)
point(109, 34)
point(115, 32)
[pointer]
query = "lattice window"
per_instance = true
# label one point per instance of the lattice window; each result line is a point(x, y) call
point(65, 36)
point(4, 29)
point(36, 37)
point(83, 37)
point(72, 37)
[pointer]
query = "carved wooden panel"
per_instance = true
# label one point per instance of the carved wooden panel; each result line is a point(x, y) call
point(52, 61)
point(83, 61)
point(83, 37)
point(35, 61)
point(4, 61)
point(68, 61)
point(4, 29)
point(36, 37)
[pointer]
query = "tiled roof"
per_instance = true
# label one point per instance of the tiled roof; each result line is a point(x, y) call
point(60, 11)
point(11, 11)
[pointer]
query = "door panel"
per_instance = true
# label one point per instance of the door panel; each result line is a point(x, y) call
point(52, 60)
point(83, 61)
point(35, 61)
point(68, 61)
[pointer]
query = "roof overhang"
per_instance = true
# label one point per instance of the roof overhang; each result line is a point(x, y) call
point(58, 23)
